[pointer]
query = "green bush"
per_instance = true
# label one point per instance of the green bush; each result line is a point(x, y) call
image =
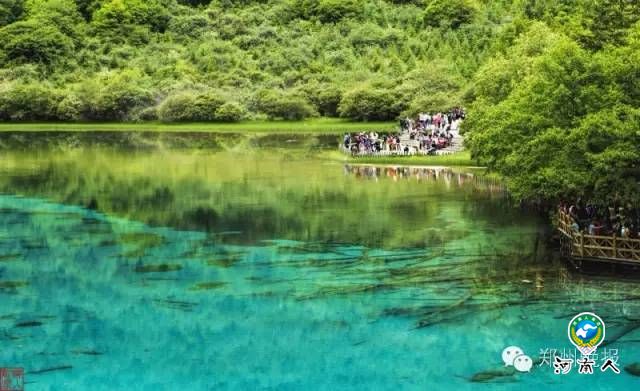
point(194, 3)
point(88, 7)
point(60, 13)
point(190, 106)
point(131, 20)
point(231, 112)
point(148, 114)
point(371, 104)
point(284, 105)
point(114, 95)
point(325, 97)
point(436, 102)
point(10, 11)
point(69, 108)
point(177, 107)
point(29, 102)
point(370, 34)
point(326, 11)
point(190, 26)
point(449, 13)
point(33, 42)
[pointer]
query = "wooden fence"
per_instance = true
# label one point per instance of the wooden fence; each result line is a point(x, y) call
point(595, 247)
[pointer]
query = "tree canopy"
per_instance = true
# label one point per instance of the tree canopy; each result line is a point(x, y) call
point(559, 119)
point(260, 59)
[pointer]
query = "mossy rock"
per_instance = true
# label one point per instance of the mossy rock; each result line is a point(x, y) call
point(224, 262)
point(158, 268)
point(493, 374)
point(633, 369)
point(205, 286)
point(9, 257)
point(141, 239)
point(12, 284)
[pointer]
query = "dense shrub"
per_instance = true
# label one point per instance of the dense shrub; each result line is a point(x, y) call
point(88, 7)
point(325, 97)
point(283, 105)
point(29, 102)
point(10, 11)
point(194, 3)
point(190, 106)
point(326, 11)
point(449, 13)
point(33, 42)
point(131, 20)
point(370, 34)
point(60, 13)
point(368, 104)
point(69, 108)
point(231, 112)
point(189, 26)
point(436, 102)
point(114, 95)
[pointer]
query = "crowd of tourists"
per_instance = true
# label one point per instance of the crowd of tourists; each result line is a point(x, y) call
point(372, 142)
point(615, 220)
point(427, 122)
point(426, 134)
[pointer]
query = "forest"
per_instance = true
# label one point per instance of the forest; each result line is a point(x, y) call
point(551, 87)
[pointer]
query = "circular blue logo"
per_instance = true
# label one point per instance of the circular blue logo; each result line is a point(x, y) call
point(586, 332)
point(586, 329)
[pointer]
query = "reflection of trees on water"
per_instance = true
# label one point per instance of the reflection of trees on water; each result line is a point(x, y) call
point(14, 141)
point(262, 197)
point(423, 174)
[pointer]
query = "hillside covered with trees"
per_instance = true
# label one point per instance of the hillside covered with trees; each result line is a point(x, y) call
point(552, 87)
point(223, 60)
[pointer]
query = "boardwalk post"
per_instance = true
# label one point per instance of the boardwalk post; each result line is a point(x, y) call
point(582, 244)
point(615, 247)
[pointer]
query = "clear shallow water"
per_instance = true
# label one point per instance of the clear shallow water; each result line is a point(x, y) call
point(278, 270)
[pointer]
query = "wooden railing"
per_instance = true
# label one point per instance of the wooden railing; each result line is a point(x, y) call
point(596, 247)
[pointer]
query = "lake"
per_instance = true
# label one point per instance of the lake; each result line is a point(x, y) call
point(248, 263)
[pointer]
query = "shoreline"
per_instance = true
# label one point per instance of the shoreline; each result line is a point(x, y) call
point(457, 159)
point(323, 125)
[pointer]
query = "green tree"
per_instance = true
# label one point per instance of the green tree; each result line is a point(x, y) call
point(10, 11)
point(132, 20)
point(326, 11)
point(283, 105)
point(230, 112)
point(369, 104)
point(114, 95)
point(195, 106)
point(26, 101)
point(31, 41)
point(449, 13)
point(60, 13)
point(88, 7)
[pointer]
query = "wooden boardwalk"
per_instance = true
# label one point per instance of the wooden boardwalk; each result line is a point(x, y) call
point(579, 246)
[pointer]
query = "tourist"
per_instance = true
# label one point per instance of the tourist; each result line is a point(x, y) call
point(427, 134)
point(624, 231)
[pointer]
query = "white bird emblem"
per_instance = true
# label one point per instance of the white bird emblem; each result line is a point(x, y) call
point(582, 331)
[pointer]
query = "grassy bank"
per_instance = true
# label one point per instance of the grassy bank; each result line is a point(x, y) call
point(316, 125)
point(460, 159)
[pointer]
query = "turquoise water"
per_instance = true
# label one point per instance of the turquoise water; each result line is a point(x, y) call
point(316, 293)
